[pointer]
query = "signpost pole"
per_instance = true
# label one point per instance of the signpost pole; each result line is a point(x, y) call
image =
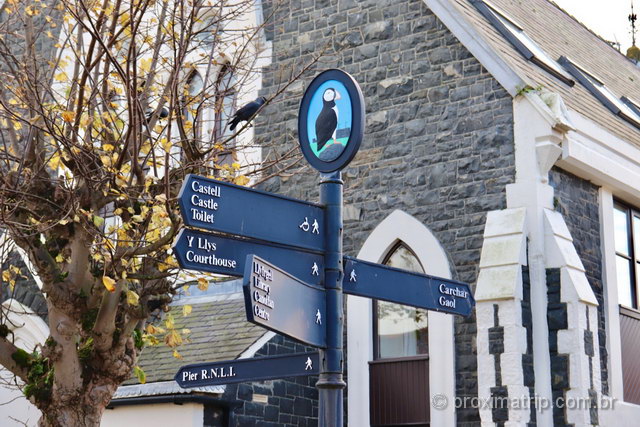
point(331, 384)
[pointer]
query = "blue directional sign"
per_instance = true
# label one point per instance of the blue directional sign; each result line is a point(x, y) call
point(220, 206)
point(276, 300)
point(378, 281)
point(199, 251)
point(245, 370)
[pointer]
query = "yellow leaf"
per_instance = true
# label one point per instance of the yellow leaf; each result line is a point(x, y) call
point(145, 64)
point(173, 339)
point(166, 145)
point(61, 77)
point(31, 11)
point(68, 116)
point(235, 165)
point(203, 284)
point(54, 161)
point(132, 298)
point(186, 310)
point(59, 258)
point(109, 283)
point(241, 180)
point(98, 221)
point(142, 377)
point(176, 354)
point(168, 322)
point(6, 275)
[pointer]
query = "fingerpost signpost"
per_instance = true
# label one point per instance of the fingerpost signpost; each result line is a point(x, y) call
point(289, 253)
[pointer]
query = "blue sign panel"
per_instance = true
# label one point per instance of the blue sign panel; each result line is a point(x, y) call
point(245, 370)
point(276, 300)
point(199, 251)
point(377, 281)
point(228, 208)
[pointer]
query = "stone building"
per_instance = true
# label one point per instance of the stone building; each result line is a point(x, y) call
point(501, 149)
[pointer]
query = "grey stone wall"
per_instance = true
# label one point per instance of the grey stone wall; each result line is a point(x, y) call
point(557, 320)
point(577, 201)
point(439, 137)
point(290, 401)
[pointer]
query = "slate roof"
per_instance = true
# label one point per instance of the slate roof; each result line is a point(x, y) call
point(26, 290)
point(558, 34)
point(219, 331)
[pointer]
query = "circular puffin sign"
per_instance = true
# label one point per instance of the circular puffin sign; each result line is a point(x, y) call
point(331, 121)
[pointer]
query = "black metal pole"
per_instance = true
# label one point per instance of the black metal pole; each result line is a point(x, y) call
point(331, 384)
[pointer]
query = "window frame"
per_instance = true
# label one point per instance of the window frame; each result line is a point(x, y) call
point(634, 251)
point(220, 125)
point(602, 93)
point(635, 106)
point(500, 19)
point(188, 98)
point(374, 310)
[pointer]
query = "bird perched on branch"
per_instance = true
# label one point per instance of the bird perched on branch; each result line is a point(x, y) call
point(163, 114)
point(247, 112)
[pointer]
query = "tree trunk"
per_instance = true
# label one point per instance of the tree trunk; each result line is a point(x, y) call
point(82, 387)
point(86, 411)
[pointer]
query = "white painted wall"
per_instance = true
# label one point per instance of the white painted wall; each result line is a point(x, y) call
point(29, 331)
point(400, 226)
point(159, 414)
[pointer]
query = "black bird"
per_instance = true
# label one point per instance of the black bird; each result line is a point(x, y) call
point(247, 112)
point(327, 120)
point(164, 113)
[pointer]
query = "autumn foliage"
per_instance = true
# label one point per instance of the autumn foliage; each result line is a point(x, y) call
point(105, 106)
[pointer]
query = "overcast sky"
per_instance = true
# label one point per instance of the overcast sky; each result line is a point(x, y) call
point(607, 18)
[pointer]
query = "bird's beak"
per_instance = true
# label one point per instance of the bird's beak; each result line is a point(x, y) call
point(337, 96)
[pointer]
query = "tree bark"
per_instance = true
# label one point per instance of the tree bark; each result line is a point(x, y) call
point(86, 411)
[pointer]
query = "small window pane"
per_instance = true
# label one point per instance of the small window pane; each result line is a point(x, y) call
point(621, 233)
point(403, 258)
point(636, 235)
point(536, 50)
point(623, 271)
point(226, 101)
point(402, 330)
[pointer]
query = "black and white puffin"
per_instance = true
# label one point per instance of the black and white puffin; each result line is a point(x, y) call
point(327, 120)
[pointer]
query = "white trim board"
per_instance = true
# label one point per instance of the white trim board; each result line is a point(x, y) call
point(592, 153)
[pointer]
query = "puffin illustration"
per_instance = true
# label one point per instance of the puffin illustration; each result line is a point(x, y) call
point(327, 120)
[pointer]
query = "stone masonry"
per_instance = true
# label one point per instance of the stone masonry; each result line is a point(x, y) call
point(439, 136)
point(577, 200)
point(278, 403)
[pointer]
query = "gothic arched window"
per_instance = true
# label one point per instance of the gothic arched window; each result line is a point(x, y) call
point(400, 330)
